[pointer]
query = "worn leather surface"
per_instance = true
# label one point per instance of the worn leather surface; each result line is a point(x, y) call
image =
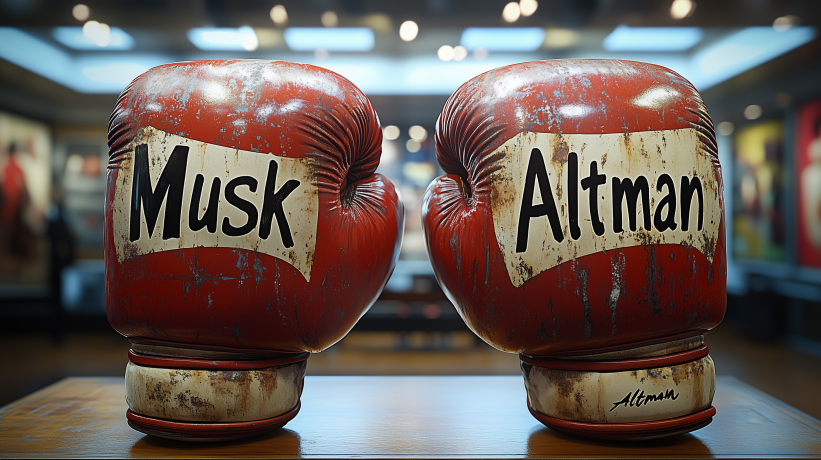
point(238, 298)
point(663, 289)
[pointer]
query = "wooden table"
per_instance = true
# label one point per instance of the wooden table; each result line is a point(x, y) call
point(390, 417)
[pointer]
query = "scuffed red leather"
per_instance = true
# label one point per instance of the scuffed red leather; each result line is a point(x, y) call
point(239, 298)
point(667, 289)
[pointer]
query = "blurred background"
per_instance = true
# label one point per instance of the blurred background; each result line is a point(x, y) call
point(62, 65)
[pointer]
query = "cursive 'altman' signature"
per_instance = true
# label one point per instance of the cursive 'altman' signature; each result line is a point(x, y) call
point(637, 398)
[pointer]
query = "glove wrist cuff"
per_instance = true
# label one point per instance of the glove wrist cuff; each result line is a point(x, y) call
point(636, 397)
point(211, 399)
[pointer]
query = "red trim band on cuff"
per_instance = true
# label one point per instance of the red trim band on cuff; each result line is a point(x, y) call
point(213, 428)
point(191, 346)
point(635, 431)
point(617, 365)
point(210, 364)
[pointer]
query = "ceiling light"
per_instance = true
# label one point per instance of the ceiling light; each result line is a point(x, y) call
point(503, 38)
point(511, 12)
point(391, 132)
point(279, 15)
point(74, 38)
point(748, 48)
point(752, 112)
point(408, 31)
point(625, 38)
point(681, 9)
point(413, 145)
point(99, 73)
point(249, 41)
point(332, 39)
point(115, 72)
point(223, 38)
point(725, 128)
point(459, 53)
point(417, 133)
point(480, 54)
point(785, 22)
point(97, 32)
point(445, 53)
point(329, 19)
point(722, 59)
point(560, 38)
point(107, 73)
point(528, 7)
point(81, 12)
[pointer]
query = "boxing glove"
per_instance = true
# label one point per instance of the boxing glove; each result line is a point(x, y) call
point(244, 229)
point(581, 225)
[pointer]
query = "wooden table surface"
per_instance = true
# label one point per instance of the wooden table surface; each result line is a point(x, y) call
point(396, 417)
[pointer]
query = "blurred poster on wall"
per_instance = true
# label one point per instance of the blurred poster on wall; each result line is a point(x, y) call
point(758, 187)
point(25, 151)
point(808, 165)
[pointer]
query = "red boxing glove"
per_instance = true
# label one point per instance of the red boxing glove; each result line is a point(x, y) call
point(581, 224)
point(245, 228)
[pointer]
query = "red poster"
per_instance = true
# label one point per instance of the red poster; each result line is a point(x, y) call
point(25, 196)
point(809, 184)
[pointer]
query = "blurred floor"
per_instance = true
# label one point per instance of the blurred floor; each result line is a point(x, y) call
point(34, 361)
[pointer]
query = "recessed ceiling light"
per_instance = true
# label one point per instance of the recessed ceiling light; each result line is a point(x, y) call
point(752, 112)
point(279, 15)
point(418, 133)
point(412, 145)
point(223, 38)
point(748, 48)
point(459, 53)
point(408, 31)
point(528, 7)
point(74, 38)
point(445, 53)
point(725, 128)
point(329, 19)
point(785, 22)
point(503, 38)
point(681, 9)
point(331, 39)
point(391, 132)
point(625, 38)
point(81, 12)
point(511, 12)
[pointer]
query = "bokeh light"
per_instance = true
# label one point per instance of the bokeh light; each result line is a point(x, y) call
point(408, 31)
